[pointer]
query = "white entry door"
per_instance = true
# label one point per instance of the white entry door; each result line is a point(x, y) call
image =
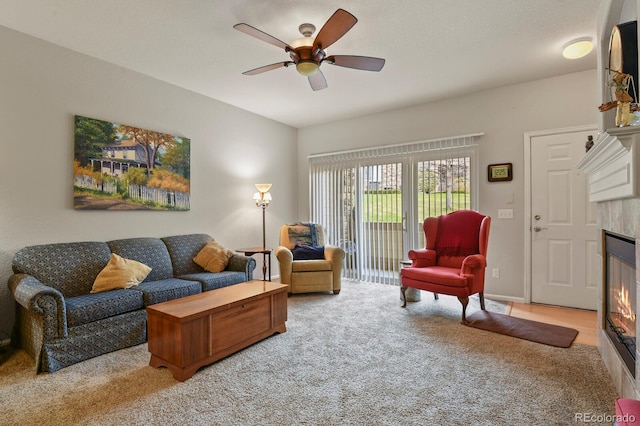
point(563, 224)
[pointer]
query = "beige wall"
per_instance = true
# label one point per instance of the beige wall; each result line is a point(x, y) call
point(504, 115)
point(43, 86)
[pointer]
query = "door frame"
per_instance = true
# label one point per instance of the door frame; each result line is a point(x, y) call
point(528, 136)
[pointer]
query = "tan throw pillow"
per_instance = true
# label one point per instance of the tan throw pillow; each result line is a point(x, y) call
point(213, 257)
point(120, 273)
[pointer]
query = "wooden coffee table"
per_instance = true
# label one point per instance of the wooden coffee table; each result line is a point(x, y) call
point(191, 332)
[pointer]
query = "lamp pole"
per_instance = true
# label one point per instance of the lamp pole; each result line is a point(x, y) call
point(264, 235)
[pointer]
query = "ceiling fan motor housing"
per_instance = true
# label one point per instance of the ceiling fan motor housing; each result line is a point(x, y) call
point(306, 59)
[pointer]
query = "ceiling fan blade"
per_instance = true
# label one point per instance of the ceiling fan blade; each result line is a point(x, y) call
point(317, 81)
point(366, 63)
point(335, 27)
point(261, 35)
point(267, 68)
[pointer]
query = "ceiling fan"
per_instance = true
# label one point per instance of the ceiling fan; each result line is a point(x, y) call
point(307, 53)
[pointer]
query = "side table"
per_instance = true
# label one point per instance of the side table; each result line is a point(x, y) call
point(412, 294)
point(266, 252)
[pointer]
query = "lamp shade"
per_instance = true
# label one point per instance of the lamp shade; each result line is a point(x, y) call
point(307, 68)
point(266, 196)
point(263, 187)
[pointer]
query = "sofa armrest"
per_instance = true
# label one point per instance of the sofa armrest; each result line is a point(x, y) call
point(422, 258)
point(47, 302)
point(285, 261)
point(241, 263)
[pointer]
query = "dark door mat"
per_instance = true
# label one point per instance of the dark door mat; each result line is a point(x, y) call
point(547, 334)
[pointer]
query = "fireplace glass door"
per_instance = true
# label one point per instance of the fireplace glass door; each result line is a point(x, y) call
point(621, 296)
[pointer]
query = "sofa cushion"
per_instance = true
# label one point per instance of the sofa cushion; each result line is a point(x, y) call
point(120, 273)
point(310, 265)
point(150, 251)
point(437, 275)
point(163, 290)
point(70, 268)
point(182, 249)
point(213, 257)
point(211, 281)
point(96, 306)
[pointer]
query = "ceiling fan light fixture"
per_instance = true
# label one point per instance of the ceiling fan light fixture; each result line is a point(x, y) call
point(302, 42)
point(307, 68)
point(577, 48)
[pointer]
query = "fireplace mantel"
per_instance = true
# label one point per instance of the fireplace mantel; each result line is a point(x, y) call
point(611, 165)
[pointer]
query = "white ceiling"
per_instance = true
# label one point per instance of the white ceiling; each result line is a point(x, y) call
point(434, 49)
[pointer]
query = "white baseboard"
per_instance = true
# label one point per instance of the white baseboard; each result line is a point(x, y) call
point(502, 298)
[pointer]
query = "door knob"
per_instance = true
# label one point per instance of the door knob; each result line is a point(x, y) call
point(538, 229)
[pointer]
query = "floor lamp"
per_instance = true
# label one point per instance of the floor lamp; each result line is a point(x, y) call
point(262, 199)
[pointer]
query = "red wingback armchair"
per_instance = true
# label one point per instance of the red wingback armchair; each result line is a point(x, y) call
point(454, 260)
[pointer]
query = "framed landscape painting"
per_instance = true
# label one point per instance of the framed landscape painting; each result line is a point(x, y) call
point(121, 167)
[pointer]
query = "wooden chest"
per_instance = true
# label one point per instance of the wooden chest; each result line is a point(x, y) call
point(188, 333)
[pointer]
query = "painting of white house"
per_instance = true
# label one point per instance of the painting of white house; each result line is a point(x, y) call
point(121, 167)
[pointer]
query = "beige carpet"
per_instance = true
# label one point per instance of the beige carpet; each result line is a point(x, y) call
point(357, 358)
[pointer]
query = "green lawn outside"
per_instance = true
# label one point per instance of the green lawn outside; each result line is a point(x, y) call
point(388, 207)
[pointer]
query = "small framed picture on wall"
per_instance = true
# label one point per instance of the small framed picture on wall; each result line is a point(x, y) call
point(500, 172)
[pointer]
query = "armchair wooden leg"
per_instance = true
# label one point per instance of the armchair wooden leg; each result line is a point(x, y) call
point(465, 302)
point(336, 291)
point(435, 296)
point(403, 289)
point(481, 296)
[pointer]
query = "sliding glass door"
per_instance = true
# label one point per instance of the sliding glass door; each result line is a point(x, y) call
point(382, 215)
point(374, 205)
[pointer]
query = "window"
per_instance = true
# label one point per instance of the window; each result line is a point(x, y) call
point(372, 202)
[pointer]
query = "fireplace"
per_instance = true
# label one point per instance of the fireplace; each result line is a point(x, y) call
point(620, 296)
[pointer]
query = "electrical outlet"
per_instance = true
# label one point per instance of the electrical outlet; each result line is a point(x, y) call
point(505, 213)
point(495, 273)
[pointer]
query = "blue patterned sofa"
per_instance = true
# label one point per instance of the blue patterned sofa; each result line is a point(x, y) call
point(59, 322)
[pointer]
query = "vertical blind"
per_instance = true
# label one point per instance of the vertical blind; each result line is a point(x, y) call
point(369, 201)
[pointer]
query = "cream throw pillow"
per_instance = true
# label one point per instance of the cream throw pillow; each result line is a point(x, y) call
point(120, 273)
point(213, 257)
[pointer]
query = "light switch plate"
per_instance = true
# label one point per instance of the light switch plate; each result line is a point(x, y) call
point(505, 213)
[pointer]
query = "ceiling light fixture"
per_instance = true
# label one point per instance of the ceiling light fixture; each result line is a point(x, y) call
point(577, 48)
point(304, 47)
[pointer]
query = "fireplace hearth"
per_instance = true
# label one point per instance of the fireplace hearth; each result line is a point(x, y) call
point(620, 296)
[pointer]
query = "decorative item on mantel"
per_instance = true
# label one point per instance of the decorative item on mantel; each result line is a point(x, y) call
point(589, 144)
point(620, 82)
